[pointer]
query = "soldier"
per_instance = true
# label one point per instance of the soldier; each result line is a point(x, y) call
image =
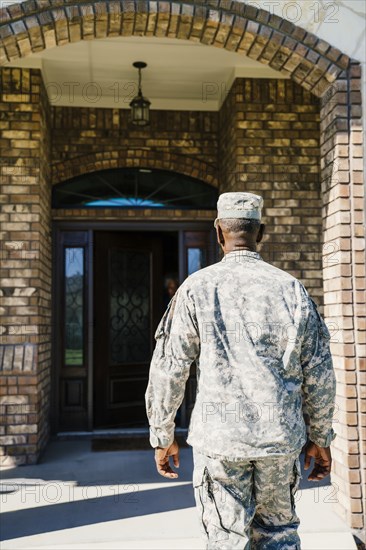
point(262, 351)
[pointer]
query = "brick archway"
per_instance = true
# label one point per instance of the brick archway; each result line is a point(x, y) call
point(31, 27)
point(121, 158)
point(320, 68)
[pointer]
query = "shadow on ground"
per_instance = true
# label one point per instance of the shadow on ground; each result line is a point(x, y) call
point(65, 489)
point(66, 515)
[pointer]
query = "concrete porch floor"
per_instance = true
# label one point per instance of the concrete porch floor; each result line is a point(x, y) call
point(79, 499)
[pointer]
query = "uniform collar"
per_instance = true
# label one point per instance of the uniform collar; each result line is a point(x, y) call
point(242, 254)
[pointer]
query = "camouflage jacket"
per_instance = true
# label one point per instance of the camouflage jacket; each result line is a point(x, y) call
point(261, 350)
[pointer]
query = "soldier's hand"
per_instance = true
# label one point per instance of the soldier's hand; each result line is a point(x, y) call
point(162, 459)
point(323, 461)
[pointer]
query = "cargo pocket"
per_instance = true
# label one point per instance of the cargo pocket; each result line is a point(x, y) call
point(297, 476)
point(209, 504)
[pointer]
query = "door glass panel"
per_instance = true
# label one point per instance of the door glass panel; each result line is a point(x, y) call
point(74, 306)
point(196, 259)
point(129, 334)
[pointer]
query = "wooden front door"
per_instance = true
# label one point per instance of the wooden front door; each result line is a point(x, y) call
point(127, 309)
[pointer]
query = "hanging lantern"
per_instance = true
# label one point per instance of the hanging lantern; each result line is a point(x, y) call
point(140, 106)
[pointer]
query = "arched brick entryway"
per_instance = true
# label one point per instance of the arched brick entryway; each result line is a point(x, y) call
point(30, 27)
point(309, 61)
point(120, 158)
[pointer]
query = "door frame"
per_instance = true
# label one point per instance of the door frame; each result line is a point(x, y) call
point(58, 226)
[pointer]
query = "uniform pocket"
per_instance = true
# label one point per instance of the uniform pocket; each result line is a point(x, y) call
point(210, 503)
point(297, 476)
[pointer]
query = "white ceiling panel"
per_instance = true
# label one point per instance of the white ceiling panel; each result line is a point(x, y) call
point(179, 75)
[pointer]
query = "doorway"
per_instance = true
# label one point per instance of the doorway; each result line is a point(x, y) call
point(112, 283)
point(129, 301)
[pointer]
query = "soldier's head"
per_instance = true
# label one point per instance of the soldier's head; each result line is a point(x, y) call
point(238, 223)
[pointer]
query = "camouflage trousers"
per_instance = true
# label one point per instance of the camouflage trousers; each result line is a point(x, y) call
point(247, 504)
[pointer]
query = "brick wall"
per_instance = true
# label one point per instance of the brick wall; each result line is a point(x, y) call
point(344, 285)
point(269, 138)
point(88, 139)
point(25, 276)
point(45, 270)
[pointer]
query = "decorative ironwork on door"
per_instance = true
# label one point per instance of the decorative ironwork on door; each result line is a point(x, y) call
point(129, 303)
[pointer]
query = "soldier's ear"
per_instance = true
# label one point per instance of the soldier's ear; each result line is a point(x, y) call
point(220, 235)
point(260, 233)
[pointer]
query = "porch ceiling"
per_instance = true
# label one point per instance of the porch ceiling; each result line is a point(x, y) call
point(180, 75)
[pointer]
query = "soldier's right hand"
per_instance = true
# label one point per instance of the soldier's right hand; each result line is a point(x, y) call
point(322, 458)
point(162, 455)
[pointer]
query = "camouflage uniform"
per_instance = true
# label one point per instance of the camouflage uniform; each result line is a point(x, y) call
point(232, 515)
point(259, 344)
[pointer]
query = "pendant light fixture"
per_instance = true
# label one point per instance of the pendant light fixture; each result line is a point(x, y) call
point(140, 114)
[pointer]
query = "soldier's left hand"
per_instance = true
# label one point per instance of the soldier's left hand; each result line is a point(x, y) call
point(162, 455)
point(322, 458)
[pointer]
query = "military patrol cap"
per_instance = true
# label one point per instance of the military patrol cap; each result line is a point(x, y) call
point(239, 205)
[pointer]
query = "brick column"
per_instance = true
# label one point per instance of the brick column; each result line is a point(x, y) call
point(25, 277)
point(269, 140)
point(344, 285)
